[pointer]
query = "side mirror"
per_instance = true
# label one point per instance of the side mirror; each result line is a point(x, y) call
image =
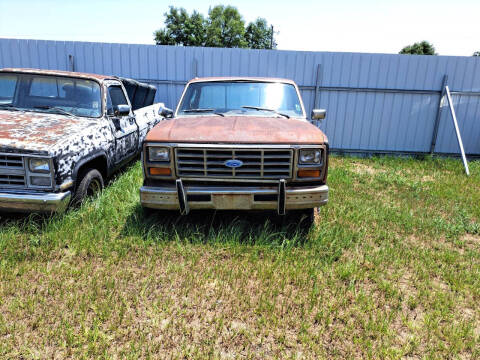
point(319, 114)
point(121, 110)
point(165, 112)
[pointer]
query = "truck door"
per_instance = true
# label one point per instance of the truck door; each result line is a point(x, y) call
point(124, 127)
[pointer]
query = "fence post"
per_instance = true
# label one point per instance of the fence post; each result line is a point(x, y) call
point(318, 81)
point(71, 62)
point(195, 68)
point(439, 115)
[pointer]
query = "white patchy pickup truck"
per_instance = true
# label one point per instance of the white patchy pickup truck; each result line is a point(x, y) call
point(63, 133)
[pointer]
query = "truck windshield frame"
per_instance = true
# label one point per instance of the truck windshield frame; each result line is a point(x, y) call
point(242, 98)
point(44, 93)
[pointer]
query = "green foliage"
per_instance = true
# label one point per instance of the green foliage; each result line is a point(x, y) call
point(182, 29)
point(476, 53)
point(258, 35)
point(224, 27)
point(389, 271)
point(419, 48)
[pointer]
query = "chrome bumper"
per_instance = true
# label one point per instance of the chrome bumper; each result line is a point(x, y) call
point(33, 201)
point(229, 198)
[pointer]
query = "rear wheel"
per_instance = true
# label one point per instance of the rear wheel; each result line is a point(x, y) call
point(91, 183)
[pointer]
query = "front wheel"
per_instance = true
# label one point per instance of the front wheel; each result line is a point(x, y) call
point(304, 218)
point(90, 184)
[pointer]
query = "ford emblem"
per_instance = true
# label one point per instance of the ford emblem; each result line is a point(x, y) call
point(233, 163)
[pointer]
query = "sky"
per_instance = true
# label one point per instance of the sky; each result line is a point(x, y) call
point(334, 25)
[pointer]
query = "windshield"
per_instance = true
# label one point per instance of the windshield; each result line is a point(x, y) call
point(241, 97)
point(52, 94)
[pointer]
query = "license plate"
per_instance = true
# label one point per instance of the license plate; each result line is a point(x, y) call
point(232, 202)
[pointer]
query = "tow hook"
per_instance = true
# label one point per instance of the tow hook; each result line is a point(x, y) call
point(182, 198)
point(281, 197)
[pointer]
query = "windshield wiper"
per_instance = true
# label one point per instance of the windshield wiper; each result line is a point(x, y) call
point(54, 108)
point(203, 111)
point(198, 110)
point(265, 109)
point(10, 107)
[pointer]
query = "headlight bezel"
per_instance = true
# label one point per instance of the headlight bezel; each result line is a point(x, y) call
point(317, 157)
point(43, 169)
point(165, 159)
point(158, 162)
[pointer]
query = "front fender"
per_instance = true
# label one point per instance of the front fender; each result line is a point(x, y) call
point(77, 149)
point(98, 155)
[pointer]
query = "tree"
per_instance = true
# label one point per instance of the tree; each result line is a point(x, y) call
point(259, 35)
point(476, 53)
point(224, 27)
point(182, 29)
point(419, 48)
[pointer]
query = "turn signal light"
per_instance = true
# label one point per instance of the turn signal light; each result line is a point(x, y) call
point(308, 173)
point(160, 171)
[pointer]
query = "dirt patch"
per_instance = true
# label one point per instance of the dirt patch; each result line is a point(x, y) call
point(427, 178)
point(363, 169)
point(471, 240)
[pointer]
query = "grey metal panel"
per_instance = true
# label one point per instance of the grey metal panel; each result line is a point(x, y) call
point(382, 102)
point(468, 116)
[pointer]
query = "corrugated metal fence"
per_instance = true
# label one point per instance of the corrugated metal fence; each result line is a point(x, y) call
point(374, 102)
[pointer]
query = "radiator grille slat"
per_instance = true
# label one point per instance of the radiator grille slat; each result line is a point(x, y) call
point(12, 172)
point(257, 163)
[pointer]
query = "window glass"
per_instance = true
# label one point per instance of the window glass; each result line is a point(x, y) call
point(115, 97)
point(44, 86)
point(50, 93)
point(212, 96)
point(8, 84)
point(224, 96)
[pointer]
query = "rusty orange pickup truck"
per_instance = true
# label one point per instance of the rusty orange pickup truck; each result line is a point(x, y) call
point(237, 144)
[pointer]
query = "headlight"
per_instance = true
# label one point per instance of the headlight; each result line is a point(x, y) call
point(310, 156)
point(39, 165)
point(158, 153)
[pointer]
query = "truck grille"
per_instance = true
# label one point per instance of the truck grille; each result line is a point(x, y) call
point(11, 162)
point(12, 172)
point(257, 163)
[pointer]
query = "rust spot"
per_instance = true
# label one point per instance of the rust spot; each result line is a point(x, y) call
point(237, 129)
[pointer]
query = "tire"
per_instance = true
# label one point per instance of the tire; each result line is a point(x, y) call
point(148, 212)
point(162, 214)
point(91, 183)
point(305, 217)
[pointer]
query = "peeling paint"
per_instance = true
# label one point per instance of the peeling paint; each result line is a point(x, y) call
point(71, 139)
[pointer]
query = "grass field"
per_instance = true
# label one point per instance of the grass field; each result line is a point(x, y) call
point(391, 270)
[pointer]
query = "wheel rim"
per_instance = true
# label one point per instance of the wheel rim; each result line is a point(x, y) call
point(94, 187)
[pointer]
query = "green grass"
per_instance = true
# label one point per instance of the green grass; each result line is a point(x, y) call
point(391, 270)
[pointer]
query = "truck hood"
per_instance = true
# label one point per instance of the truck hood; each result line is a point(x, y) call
point(236, 129)
point(37, 132)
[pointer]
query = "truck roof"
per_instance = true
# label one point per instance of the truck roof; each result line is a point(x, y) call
point(242, 78)
point(97, 77)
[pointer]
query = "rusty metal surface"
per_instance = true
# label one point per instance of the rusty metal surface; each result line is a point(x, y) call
point(82, 75)
point(232, 198)
point(243, 78)
point(237, 129)
point(35, 131)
